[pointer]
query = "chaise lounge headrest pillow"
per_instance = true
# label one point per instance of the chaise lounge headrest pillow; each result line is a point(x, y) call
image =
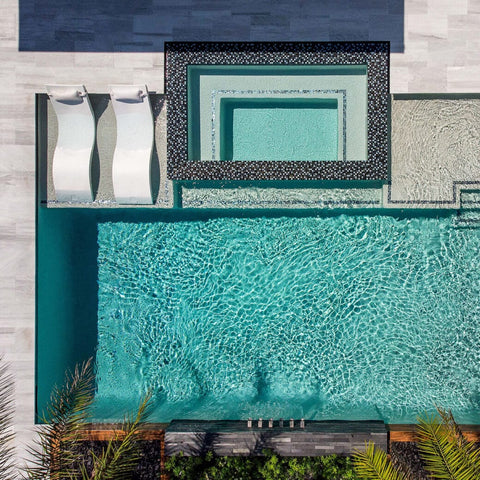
point(128, 93)
point(66, 95)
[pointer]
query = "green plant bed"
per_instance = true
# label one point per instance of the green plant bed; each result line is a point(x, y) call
point(268, 467)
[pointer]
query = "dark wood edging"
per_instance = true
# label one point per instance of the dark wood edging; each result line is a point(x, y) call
point(406, 432)
point(104, 433)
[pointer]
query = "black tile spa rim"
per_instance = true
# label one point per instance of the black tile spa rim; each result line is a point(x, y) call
point(375, 55)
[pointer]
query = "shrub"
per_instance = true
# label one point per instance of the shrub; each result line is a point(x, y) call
point(268, 467)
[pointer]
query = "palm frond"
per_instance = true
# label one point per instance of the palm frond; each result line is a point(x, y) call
point(373, 464)
point(7, 408)
point(468, 450)
point(446, 453)
point(122, 453)
point(56, 450)
point(451, 424)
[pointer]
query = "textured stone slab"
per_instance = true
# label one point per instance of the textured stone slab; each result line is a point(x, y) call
point(235, 438)
point(62, 25)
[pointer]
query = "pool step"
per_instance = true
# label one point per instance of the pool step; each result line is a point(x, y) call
point(468, 219)
point(469, 215)
point(470, 200)
point(281, 198)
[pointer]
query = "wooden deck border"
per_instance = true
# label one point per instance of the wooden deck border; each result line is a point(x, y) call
point(105, 433)
point(406, 432)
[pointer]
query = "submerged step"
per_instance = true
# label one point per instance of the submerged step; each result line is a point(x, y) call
point(228, 438)
point(294, 198)
point(470, 200)
point(468, 219)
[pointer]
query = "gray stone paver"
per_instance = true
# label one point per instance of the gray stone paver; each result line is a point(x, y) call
point(440, 54)
point(146, 25)
point(317, 438)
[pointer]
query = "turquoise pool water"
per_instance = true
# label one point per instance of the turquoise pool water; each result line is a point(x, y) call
point(348, 317)
point(279, 129)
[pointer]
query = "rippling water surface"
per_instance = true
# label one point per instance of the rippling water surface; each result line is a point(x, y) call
point(343, 317)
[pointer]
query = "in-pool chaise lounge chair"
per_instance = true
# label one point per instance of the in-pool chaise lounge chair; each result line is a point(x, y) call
point(76, 138)
point(133, 151)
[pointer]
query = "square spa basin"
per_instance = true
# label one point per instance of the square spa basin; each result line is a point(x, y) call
point(279, 129)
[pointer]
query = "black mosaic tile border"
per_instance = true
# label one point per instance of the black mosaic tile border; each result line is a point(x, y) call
point(178, 55)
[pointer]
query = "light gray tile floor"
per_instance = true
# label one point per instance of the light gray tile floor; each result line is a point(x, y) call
point(436, 45)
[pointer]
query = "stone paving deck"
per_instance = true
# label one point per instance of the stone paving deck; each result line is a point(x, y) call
point(235, 438)
point(435, 45)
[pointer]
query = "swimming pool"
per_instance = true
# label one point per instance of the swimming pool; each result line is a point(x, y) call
point(238, 315)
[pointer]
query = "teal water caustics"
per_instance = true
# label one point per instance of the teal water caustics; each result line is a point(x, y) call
point(346, 317)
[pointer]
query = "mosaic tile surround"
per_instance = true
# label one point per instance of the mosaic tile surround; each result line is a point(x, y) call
point(373, 54)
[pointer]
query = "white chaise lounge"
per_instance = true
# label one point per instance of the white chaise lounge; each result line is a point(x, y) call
point(133, 150)
point(76, 138)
